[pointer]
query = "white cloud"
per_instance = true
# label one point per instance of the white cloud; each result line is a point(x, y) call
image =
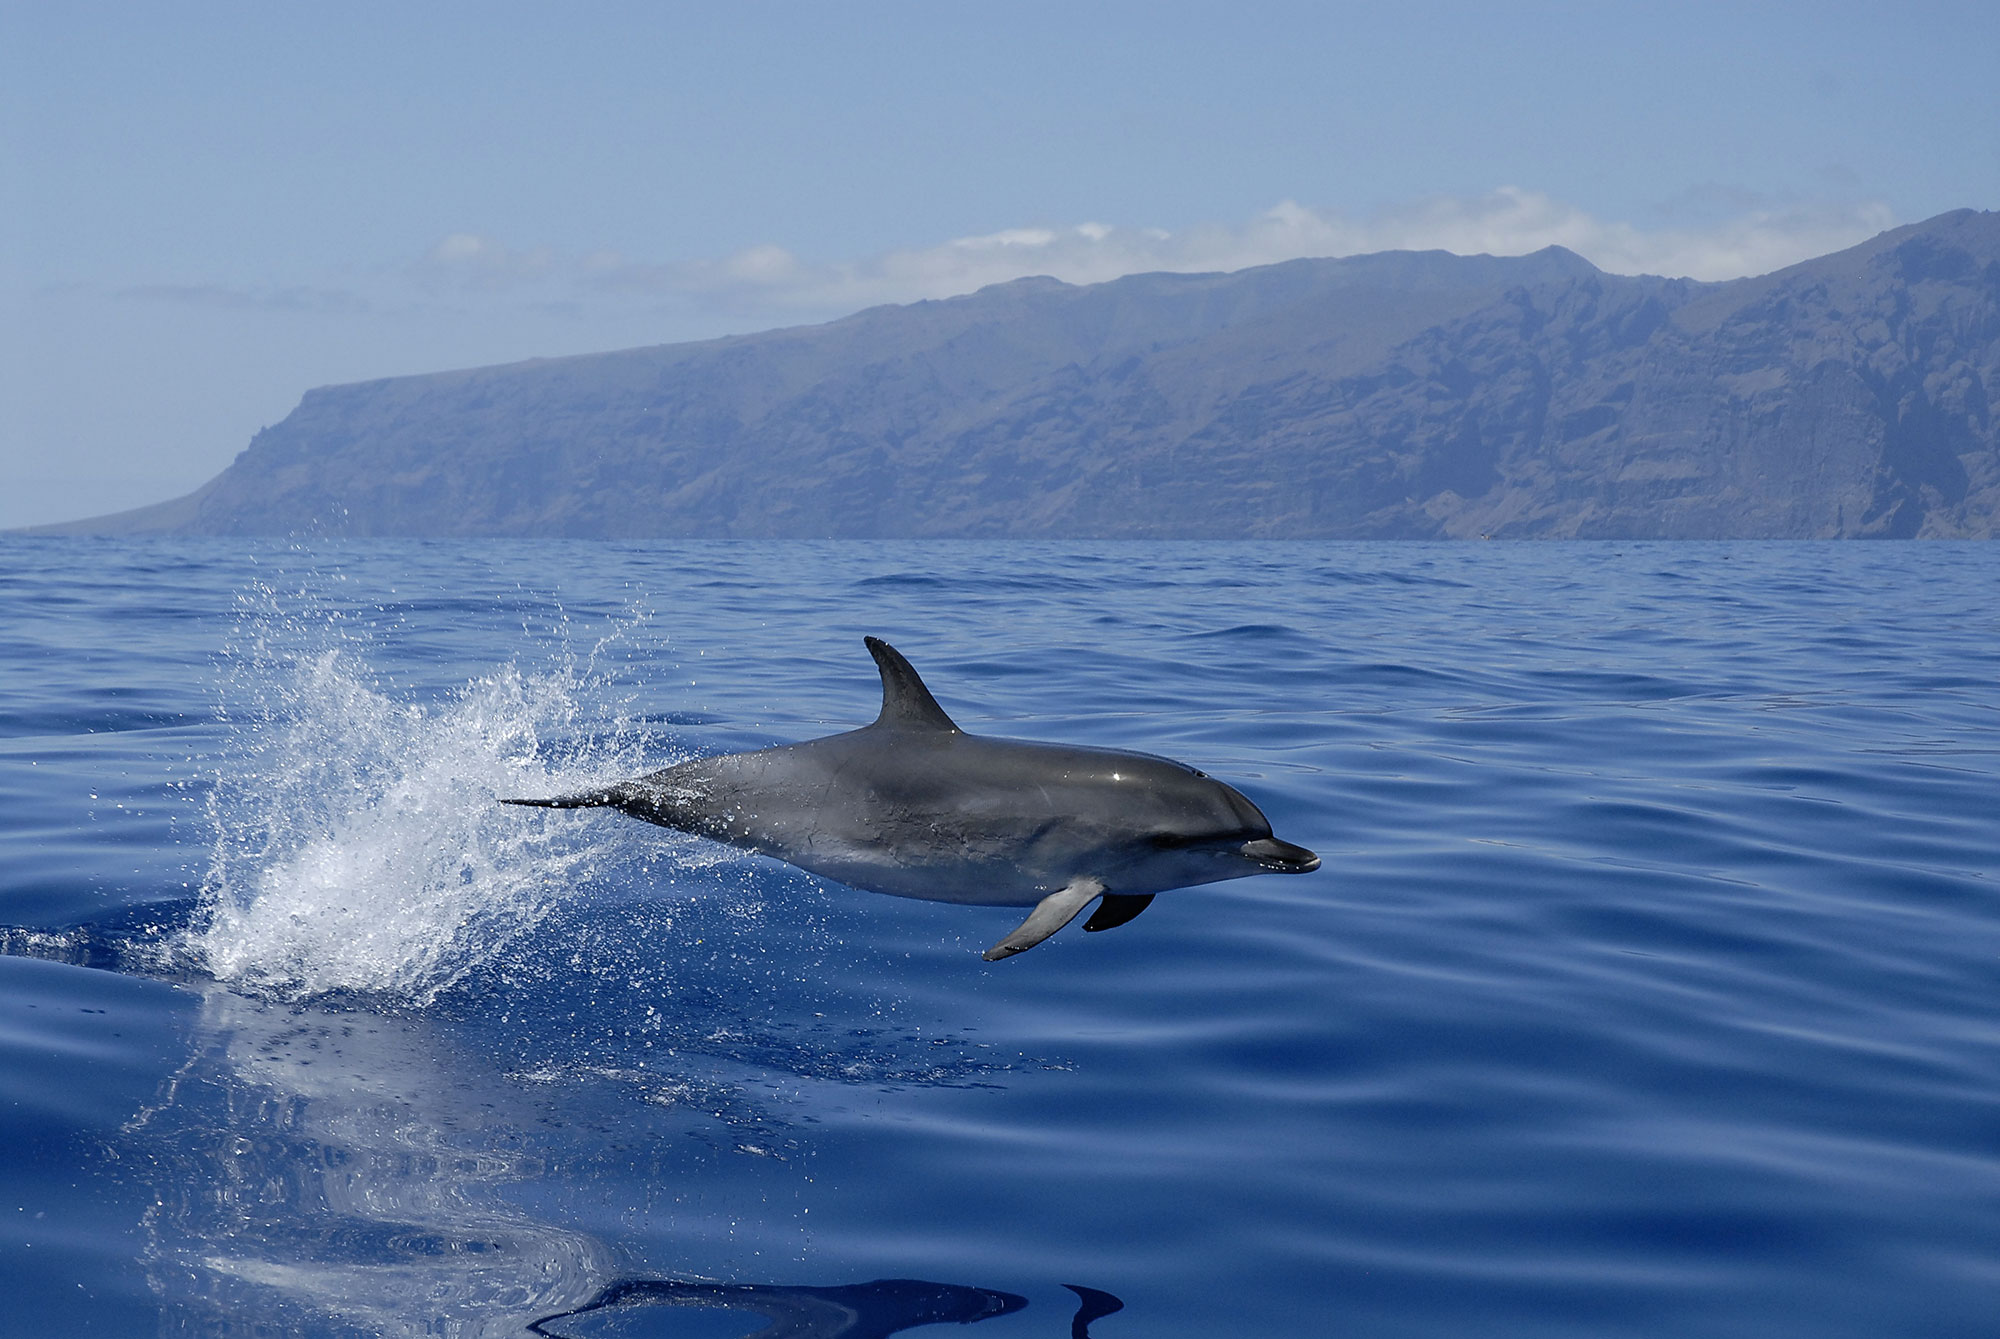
point(472, 260)
point(462, 248)
point(1754, 239)
point(763, 265)
point(1030, 238)
point(1509, 221)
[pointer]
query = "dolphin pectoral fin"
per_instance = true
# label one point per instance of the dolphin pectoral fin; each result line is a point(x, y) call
point(1050, 915)
point(1116, 909)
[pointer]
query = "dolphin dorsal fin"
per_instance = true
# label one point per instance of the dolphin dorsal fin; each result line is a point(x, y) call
point(905, 700)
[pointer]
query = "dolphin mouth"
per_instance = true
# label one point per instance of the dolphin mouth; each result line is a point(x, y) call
point(1280, 857)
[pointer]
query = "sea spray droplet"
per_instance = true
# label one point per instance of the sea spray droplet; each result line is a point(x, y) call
point(357, 844)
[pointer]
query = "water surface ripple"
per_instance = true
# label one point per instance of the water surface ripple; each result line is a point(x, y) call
point(1648, 987)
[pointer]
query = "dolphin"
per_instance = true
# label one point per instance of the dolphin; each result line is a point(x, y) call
point(913, 806)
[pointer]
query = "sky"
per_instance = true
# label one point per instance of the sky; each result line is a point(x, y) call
point(208, 209)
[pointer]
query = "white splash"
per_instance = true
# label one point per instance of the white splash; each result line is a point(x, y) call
point(358, 842)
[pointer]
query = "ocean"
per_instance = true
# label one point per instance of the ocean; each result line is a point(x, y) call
point(1650, 985)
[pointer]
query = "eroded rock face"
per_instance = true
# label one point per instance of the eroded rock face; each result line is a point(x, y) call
point(1398, 395)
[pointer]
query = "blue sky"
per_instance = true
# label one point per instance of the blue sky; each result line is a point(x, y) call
point(207, 209)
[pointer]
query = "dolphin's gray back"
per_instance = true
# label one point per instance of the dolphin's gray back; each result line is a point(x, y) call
point(939, 814)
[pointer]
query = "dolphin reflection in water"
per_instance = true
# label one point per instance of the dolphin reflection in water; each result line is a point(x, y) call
point(913, 806)
point(312, 1170)
point(853, 1311)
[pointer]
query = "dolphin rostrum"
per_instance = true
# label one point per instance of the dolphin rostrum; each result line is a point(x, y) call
point(913, 806)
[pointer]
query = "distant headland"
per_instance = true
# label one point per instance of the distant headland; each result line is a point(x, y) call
point(1415, 395)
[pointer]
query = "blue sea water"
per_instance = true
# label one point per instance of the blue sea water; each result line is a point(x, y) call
point(1651, 985)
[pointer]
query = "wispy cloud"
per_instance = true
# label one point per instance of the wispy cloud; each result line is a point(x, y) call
point(471, 272)
point(227, 297)
point(1753, 239)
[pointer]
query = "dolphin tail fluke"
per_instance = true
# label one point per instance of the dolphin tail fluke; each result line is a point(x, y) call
point(595, 799)
point(1050, 915)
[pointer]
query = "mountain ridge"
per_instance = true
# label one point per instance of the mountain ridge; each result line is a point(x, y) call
point(1396, 395)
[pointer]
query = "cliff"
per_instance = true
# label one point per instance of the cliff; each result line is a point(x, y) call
point(1395, 395)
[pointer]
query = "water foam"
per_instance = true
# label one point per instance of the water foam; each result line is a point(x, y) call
point(358, 844)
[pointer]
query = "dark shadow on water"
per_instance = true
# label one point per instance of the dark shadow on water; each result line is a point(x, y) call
point(1091, 1304)
point(853, 1311)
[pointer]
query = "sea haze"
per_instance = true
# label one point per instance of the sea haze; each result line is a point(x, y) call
point(1647, 988)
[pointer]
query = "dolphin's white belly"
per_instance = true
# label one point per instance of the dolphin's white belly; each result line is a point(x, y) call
point(994, 884)
point(946, 863)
